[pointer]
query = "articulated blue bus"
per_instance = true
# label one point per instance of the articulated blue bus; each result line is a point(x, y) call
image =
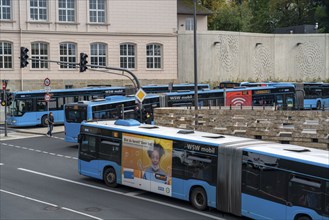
point(245, 177)
point(112, 107)
point(29, 108)
point(309, 95)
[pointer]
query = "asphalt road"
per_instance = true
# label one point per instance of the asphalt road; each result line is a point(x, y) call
point(39, 179)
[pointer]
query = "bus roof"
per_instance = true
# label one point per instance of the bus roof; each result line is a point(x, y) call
point(109, 100)
point(67, 90)
point(298, 153)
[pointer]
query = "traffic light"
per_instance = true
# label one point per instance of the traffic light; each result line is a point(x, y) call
point(3, 101)
point(83, 62)
point(24, 57)
point(9, 98)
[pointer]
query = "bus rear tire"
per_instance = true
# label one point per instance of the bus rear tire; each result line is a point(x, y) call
point(44, 121)
point(199, 198)
point(303, 217)
point(110, 177)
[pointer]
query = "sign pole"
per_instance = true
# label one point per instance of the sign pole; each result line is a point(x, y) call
point(5, 97)
point(4, 88)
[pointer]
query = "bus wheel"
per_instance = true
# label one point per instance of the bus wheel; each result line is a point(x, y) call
point(318, 105)
point(199, 198)
point(303, 217)
point(110, 177)
point(44, 120)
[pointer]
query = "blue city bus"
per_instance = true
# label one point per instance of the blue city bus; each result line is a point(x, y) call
point(29, 108)
point(112, 107)
point(310, 95)
point(245, 177)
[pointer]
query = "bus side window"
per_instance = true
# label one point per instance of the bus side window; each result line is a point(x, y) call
point(88, 145)
point(305, 192)
point(110, 150)
point(326, 198)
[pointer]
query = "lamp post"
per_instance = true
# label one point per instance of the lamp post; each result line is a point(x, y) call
point(196, 101)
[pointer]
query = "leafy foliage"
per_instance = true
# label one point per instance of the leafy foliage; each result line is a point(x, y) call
point(264, 16)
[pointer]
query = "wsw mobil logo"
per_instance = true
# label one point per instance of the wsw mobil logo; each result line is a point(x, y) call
point(238, 98)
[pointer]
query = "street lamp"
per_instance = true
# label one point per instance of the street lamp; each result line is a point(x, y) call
point(196, 101)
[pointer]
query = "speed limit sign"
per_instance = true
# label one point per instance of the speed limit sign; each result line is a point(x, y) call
point(47, 97)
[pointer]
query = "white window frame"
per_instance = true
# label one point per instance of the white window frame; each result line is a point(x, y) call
point(67, 53)
point(189, 24)
point(68, 12)
point(98, 13)
point(128, 55)
point(98, 54)
point(38, 8)
point(6, 55)
point(154, 58)
point(41, 55)
point(5, 8)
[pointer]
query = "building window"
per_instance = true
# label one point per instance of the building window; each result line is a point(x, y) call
point(189, 24)
point(127, 56)
point(154, 56)
point(67, 54)
point(98, 54)
point(66, 10)
point(39, 51)
point(97, 11)
point(5, 13)
point(6, 56)
point(38, 10)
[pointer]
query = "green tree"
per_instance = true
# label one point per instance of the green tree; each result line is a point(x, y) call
point(231, 17)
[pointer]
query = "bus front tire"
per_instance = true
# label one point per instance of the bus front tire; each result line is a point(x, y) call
point(44, 121)
point(110, 177)
point(199, 198)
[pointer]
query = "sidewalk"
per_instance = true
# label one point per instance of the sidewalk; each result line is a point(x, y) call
point(14, 133)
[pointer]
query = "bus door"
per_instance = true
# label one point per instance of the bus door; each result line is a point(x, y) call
point(88, 162)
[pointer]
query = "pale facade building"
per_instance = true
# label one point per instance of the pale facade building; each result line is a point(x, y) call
point(138, 35)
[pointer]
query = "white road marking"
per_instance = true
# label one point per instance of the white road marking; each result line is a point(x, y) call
point(120, 193)
point(39, 151)
point(50, 204)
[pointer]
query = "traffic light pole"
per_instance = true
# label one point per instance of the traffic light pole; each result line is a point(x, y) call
point(5, 98)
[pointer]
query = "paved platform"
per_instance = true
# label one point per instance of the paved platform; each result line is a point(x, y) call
point(15, 133)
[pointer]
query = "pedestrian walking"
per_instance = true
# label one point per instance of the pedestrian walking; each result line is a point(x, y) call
point(50, 124)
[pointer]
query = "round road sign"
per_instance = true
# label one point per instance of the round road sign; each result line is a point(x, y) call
point(47, 97)
point(47, 81)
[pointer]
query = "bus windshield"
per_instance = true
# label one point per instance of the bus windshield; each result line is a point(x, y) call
point(75, 115)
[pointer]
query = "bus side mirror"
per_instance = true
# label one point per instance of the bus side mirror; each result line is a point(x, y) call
point(79, 138)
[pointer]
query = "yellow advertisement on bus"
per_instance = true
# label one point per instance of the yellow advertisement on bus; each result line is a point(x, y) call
point(147, 163)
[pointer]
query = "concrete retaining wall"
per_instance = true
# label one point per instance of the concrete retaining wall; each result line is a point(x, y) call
point(241, 56)
point(305, 128)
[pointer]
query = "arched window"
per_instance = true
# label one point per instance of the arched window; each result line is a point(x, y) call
point(128, 56)
point(154, 56)
point(98, 54)
point(39, 51)
point(6, 55)
point(67, 53)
